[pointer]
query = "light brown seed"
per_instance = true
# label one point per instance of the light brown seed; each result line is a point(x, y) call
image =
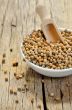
point(20, 76)
point(11, 91)
point(51, 94)
point(42, 80)
point(6, 79)
point(11, 50)
point(17, 77)
point(39, 106)
point(14, 92)
point(53, 55)
point(19, 89)
point(15, 64)
point(27, 89)
point(57, 99)
point(16, 101)
point(15, 74)
point(32, 100)
point(5, 72)
point(4, 55)
point(3, 61)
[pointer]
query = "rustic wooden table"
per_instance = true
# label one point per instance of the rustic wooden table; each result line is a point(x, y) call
point(33, 91)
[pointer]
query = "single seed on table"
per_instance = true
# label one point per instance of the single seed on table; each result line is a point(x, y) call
point(15, 64)
point(4, 55)
point(39, 106)
point(20, 76)
point(57, 99)
point(51, 94)
point(17, 77)
point(13, 25)
point(15, 74)
point(11, 50)
point(23, 89)
point(27, 79)
point(5, 72)
point(68, 84)
point(27, 89)
point(19, 89)
point(3, 61)
point(6, 79)
point(25, 85)
point(24, 60)
point(11, 91)
point(14, 92)
point(42, 80)
point(16, 101)
point(32, 100)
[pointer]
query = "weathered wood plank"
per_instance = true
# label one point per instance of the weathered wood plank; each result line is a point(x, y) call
point(18, 18)
point(13, 30)
point(58, 94)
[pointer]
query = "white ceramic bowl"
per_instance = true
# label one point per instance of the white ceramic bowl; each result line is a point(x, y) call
point(46, 71)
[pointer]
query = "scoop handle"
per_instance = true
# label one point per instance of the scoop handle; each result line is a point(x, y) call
point(46, 20)
point(42, 12)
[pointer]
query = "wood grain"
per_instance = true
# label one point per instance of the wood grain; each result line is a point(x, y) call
point(18, 18)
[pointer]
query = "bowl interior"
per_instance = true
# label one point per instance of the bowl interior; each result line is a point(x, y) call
point(47, 69)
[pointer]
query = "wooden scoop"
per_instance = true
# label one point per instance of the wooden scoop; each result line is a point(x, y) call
point(48, 26)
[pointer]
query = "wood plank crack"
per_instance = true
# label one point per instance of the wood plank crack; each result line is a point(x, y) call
point(61, 95)
point(43, 93)
point(4, 18)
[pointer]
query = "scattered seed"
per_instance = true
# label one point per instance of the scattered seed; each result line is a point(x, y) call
point(11, 91)
point(20, 76)
point(24, 60)
point(51, 94)
point(27, 79)
point(15, 74)
point(19, 89)
point(11, 50)
point(23, 90)
point(17, 77)
point(4, 55)
point(39, 106)
point(27, 89)
point(3, 61)
point(42, 80)
point(6, 79)
point(68, 84)
point(25, 85)
point(5, 72)
point(15, 92)
point(32, 100)
point(13, 25)
point(16, 101)
point(57, 99)
point(15, 64)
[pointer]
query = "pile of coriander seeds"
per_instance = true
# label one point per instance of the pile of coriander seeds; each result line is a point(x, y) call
point(51, 55)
